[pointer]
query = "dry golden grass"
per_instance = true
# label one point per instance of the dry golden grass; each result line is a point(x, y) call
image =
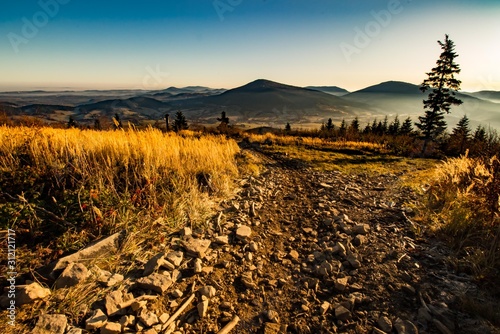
point(316, 142)
point(62, 188)
point(121, 162)
point(462, 203)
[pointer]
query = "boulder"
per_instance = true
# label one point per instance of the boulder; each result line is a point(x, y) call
point(72, 275)
point(51, 323)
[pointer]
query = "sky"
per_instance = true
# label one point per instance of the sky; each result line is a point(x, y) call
point(155, 44)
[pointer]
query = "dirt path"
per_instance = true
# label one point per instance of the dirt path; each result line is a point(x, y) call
point(330, 253)
point(296, 251)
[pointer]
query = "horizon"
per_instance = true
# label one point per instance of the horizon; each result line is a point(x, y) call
point(56, 45)
point(71, 90)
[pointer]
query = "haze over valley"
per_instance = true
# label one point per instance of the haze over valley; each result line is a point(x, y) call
point(258, 103)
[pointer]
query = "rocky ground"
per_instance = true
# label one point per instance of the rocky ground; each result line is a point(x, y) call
point(296, 251)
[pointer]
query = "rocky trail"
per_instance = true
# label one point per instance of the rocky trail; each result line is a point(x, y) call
point(296, 251)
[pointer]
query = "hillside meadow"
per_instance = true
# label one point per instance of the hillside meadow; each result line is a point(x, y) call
point(62, 188)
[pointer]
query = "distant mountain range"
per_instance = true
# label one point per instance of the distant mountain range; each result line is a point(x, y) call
point(260, 103)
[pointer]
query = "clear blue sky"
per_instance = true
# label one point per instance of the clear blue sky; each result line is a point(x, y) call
point(76, 44)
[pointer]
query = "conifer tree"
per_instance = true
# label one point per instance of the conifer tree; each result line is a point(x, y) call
point(343, 127)
point(288, 128)
point(406, 127)
point(354, 127)
point(329, 125)
point(461, 134)
point(180, 122)
point(480, 134)
point(394, 127)
point(441, 80)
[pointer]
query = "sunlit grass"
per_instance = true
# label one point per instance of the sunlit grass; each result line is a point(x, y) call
point(462, 205)
point(314, 142)
point(100, 181)
point(63, 188)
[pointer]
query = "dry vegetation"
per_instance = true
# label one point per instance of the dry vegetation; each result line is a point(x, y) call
point(315, 142)
point(61, 189)
point(462, 204)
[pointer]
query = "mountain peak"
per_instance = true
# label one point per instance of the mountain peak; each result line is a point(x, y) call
point(398, 87)
point(261, 85)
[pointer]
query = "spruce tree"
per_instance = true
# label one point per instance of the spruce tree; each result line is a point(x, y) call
point(288, 128)
point(343, 127)
point(406, 127)
point(180, 122)
point(395, 126)
point(329, 125)
point(354, 127)
point(480, 134)
point(441, 80)
point(461, 134)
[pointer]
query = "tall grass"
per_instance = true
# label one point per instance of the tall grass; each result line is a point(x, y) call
point(68, 186)
point(315, 142)
point(464, 201)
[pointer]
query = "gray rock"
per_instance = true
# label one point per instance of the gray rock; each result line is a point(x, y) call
point(74, 330)
point(251, 212)
point(294, 254)
point(222, 239)
point(138, 305)
point(72, 275)
point(325, 269)
point(97, 320)
point(166, 264)
point(51, 323)
point(324, 308)
point(243, 232)
point(106, 278)
point(353, 261)
point(359, 240)
point(153, 264)
point(208, 291)
point(127, 320)
point(196, 247)
point(111, 328)
point(247, 280)
point(156, 282)
point(26, 294)
point(186, 231)
point(164, 318)
point(342, 314)
point(385, 324)
point(253, 246)
point(112, 303)
point(273, 316)
point(361, 229)
point(102, 248)
point(341, 283)
point(202, 308)
point(405, 327)
point(198, 266)
point(148, 318)
point(177, 293)
point(175, 258)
